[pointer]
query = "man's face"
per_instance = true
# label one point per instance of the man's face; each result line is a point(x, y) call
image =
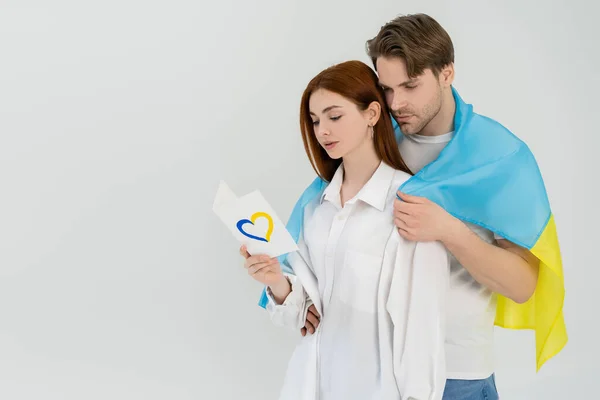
point(414, 102)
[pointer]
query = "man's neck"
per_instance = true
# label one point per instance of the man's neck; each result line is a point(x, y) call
point(443, 122)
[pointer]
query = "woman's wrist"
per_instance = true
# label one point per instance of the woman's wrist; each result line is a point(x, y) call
point(281, 289)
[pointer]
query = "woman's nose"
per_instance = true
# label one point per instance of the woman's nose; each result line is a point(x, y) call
point(323, 130)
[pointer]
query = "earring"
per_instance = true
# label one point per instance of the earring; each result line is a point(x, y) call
point(372, 131)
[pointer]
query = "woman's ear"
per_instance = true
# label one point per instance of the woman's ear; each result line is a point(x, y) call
point(373, 113)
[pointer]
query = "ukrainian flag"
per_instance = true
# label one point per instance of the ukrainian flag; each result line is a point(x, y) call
point(487, 176)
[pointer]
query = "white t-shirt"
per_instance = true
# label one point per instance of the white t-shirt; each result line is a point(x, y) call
point(471, 306)
point(382, 300)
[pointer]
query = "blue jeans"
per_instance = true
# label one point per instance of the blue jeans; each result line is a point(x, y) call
point(479, 389)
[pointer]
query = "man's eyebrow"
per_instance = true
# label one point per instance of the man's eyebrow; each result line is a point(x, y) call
point(405, 83)
point(326, 109)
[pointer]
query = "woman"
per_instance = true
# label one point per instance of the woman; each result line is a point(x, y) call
point(380, 297)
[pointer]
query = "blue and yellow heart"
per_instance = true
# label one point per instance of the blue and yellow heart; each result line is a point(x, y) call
point(240, 225)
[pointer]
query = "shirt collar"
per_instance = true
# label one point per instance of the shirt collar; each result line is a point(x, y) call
point(332, 191)
point(374, 192)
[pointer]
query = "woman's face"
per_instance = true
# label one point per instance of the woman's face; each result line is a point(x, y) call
point(339, 125)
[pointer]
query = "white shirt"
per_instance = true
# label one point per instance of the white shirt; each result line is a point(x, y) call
point(418, 150)
point(381, 299)
point(471, 306)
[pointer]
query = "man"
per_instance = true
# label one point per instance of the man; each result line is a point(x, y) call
point(414, 58)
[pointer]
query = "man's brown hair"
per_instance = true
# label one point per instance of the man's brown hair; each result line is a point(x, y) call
point(418, 39)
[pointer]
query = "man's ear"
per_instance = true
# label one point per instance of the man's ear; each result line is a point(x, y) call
point(446, 76)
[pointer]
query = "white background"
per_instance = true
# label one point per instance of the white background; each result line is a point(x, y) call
point(119, 118)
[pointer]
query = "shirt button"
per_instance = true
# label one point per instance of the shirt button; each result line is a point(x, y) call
point(340, 217)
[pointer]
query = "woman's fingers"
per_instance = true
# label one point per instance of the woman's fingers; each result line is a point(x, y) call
point(256, 268)
point(244, 251)
point(251, 261)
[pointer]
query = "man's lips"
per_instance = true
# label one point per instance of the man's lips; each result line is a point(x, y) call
point(403, 117)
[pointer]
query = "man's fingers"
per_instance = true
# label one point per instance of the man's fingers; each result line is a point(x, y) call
point(313, 310)
point(401, 224)
point(400, 207)
point(400, 214)
point(314, 321)
point(303, 331)
point(309, 327)
point(408, 198)
point(406, 234)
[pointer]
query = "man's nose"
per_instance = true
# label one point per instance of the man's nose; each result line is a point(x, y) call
point(399, 101)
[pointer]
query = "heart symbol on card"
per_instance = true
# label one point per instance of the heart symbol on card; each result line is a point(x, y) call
point(240, 225)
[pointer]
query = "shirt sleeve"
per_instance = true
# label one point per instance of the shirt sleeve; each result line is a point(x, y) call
point(419, 290)
point(292, 312)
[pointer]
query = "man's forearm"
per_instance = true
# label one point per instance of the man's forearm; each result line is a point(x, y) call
point(510, 271)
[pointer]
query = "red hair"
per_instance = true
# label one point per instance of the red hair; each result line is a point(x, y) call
point(358, 83)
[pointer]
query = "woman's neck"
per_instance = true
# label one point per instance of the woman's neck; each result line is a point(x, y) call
point(359, 167)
